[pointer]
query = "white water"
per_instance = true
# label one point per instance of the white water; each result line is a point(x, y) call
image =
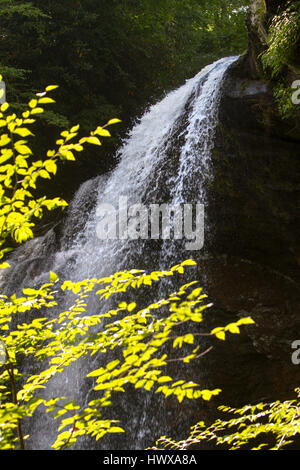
point(151, 170)
point(166, 158)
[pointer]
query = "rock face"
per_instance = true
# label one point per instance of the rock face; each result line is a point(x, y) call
point(254, 219)
point(256, 184)
point(256, 160)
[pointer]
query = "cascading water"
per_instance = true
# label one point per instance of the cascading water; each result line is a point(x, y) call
point(166, 159)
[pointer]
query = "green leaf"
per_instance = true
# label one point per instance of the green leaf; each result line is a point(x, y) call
point(44, 174)
point(234, 329)
point(113, 121)
point(46, 100)
point(22, 149)
point(4, 107)
point(102, 132)
point(51, 87)
point(30, 292)
point(115, 429)
point(37, 110)
point(32, 104)
point(4, 265)
point(22, 131)
point(189, 262)
point(164, 378)
point(219, 333)
point(131, 306)
point(149, 385)
point(53, 276)
point(93, 140)
point(131, 359)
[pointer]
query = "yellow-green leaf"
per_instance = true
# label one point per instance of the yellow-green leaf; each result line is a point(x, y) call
point(46, 100)
point(113, 121)
point(4, 265)
point(51, 87)
point(37, 111)
point(23, 132)
point(53, 276)
point(32, 103)
point(4, 107)
point(93, 140)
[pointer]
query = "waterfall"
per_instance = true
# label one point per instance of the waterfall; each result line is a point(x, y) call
point(165, 159)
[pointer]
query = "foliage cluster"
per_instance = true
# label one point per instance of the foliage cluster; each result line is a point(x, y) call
point(283, 40)
point(19, 174)
point(282, 55)
point(264, 426)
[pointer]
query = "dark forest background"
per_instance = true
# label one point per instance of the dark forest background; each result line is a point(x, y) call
point(110, 59)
